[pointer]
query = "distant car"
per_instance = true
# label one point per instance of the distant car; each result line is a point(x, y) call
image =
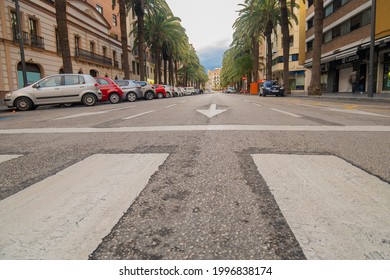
point(169, 90)
point(147, 90)
point(178, 91)
point(55, 89)
point(271, 88)
point(189, 90)
point(160, 91)
point(111, 91)
point(230, 90)
point(131, 90)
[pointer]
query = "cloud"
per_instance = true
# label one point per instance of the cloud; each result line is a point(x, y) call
point(211, 56)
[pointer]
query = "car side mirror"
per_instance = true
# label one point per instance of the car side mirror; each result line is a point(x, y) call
point(36, 86)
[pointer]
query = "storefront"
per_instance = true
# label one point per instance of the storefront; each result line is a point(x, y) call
point(386, 72)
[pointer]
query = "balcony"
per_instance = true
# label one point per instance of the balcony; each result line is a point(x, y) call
point(92, 57)
point(29, 39)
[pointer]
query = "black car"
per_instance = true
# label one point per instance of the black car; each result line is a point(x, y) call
point(271, 88)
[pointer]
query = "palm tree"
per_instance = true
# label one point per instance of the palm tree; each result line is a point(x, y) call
point(62, 26)
point(315, 83)
point(122, 22)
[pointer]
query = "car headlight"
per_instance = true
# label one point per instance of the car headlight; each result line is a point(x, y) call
point(8, 95)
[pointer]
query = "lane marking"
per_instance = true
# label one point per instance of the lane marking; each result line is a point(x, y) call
point(286, 113)
point(66, 215)
point(169, 106)
point(197, 128)
point(257, 104)
point(92, 113)
point(336, 210)
point(4, 158)
point(139, 115)
point(350, 111)
point(212, 111)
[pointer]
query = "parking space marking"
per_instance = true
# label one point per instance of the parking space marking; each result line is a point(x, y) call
point(257, 104)
point(335, 210)
point(92, 113)
point(286, 113)
point(169, 106)
point(66, 215)
point(138, 115)
point(4, 158)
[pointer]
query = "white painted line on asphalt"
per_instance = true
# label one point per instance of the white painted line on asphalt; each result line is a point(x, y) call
point(356, 112)
point(286, 113)
point(335, 210)
point(138, 115)
point(66, 215)
point(169, 106)
point(257, 104)
point(196, 128)
point(4, 158)
point(212, 111)
point(92, 113)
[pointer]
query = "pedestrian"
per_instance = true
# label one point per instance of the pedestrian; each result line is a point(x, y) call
point(362, 83)
point(353, 81)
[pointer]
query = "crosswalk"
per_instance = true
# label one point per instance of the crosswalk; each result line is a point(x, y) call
point(335, 210)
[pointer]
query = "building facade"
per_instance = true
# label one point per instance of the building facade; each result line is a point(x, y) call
point(214, 81)
point(346, 44)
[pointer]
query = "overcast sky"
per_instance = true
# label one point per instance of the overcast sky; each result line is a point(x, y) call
point(208, 25)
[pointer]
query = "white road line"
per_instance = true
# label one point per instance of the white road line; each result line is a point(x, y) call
point(138, 115)
point(66, 215)
point(4, 158)
point(257, 104)
point(356, 112)
point(336, 210)
point(92, 113)
point(286, 113)
point(196, 128)
point(169, 106)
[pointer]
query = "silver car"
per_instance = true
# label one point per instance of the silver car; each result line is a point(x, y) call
point(147, 89)
point(56, 89)
point(131, 90)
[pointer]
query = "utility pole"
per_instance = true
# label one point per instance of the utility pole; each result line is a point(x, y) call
point(19, 36)
point(372, 51)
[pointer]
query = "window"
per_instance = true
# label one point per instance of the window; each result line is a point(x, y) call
point(99, 8)
point(291, 41)
point(366, 17)
point(14, 23)
point(76, 42)
point(336, 31)
point(71, 80)
point(33, 23)
point(104, 51)
point(309, 46)
point(345, 27)
point(294, 57)
point(58, 46)
point(133, 64)
point(51, 82)
point(114, 20)
point(356, 22)
point(310, 23)
point(92, 46)
point(328, 36)
point(310, 3)
point(102, 81)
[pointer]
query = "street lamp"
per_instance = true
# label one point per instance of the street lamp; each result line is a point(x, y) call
point(372, 50)
point(19, 36)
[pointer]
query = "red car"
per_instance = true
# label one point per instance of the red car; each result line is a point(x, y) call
point(110, 90)
point(160, 91)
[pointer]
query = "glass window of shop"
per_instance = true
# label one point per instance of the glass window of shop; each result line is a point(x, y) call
point(386, 72)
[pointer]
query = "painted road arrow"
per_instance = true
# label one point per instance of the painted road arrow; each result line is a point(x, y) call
point(212, 111)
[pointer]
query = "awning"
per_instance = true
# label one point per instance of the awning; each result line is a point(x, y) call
point(346, 53)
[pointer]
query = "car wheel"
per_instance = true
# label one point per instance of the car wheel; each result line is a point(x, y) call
point(89, 99)
point(149, 95)
point(23, 104)
point(160, 95)
point(131, 97)
point(114, 98)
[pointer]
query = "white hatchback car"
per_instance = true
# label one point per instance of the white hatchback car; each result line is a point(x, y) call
point(56, 89)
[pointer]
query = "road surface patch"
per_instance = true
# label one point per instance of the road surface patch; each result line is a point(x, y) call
point(335, 210)
point(66, 215)
point(4, 158)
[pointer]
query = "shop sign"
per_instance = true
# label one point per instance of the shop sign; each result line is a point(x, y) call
point(349, 59)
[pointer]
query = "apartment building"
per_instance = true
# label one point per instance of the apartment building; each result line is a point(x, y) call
point(346, 43)
point(297, 72)
point(93, 48)
point(214, 81)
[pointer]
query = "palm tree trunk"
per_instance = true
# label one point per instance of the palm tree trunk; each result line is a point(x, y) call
point(285, 46)
point(176, 73)
point(139, 6)
point(165, 72)
point(62, 27)
point(256, 46)
point(267, 33)
point(170, 66)
point(125, 53)
point(315, 84)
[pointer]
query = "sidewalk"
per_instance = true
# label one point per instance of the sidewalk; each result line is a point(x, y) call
point(348, 96)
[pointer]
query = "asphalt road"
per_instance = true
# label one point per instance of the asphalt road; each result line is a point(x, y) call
point(208, 198)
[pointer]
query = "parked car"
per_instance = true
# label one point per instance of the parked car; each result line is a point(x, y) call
point(178, 91)
point(169, 90)
point(189, 90)
point(147, 89)
point(111, 91)
point(160, 91)
point(271, 88)
point(230, 90)
point(131, 90)
point(56, 89)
